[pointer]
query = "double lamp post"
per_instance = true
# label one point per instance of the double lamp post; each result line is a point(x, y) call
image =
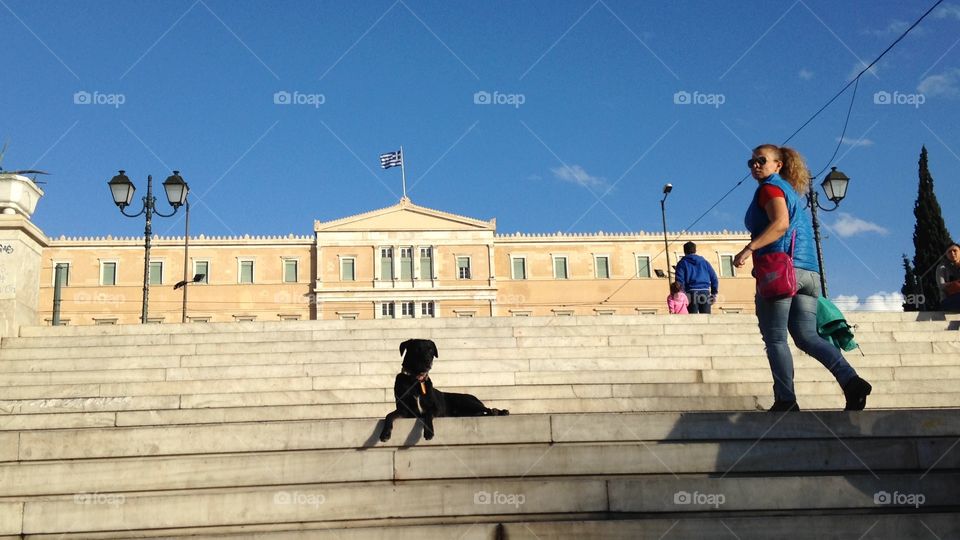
point(177, 190)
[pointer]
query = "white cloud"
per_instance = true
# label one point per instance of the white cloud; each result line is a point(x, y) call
point(805, 74)
point(945, 84)
point(847, 225)
point(858, 67)
point(895, 28)
point(948, 11)
point(577, 175)
point(879, 301)
point(855, 142)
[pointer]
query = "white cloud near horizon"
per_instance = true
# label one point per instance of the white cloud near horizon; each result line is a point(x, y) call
point(847, 225)
point(944, 84)
point(855, 142)
point(576, 174)
point(879, 301)
point(948, 11)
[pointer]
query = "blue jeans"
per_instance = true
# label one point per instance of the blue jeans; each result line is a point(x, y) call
point(699, 301)
point(798, 315)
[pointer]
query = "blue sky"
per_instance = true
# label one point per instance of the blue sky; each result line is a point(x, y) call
point(582, 132)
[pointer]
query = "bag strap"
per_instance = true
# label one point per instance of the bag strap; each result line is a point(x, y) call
point(793, 241)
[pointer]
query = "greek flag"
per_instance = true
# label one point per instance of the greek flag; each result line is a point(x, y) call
point(391, 159)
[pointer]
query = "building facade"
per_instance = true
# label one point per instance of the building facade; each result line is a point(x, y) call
point(403, 261)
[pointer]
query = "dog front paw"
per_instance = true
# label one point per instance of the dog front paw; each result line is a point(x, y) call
point(385, 436)
point(428, 434)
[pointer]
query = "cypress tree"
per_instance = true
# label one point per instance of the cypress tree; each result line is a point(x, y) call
point(930, 238)
point(909, 289)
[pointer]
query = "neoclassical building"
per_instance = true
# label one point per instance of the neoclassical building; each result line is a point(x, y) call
point(403, 261)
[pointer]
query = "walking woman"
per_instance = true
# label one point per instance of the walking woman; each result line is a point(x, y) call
point(776, 219)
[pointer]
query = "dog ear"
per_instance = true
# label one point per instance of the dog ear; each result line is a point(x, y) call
point(433, 349)
point(404, 346)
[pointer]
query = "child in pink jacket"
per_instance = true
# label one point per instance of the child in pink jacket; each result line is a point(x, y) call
point(677, 301)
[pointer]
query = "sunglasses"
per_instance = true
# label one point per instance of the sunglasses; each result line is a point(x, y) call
point(762, 160)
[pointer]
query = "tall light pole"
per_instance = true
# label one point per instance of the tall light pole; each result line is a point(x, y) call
point(835, 187)
point(667, 188)
point(122, 190)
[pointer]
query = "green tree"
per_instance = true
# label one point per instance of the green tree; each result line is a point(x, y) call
point(930, 239)
point(909, 289)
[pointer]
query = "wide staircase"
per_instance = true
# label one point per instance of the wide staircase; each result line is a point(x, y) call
point(620, 427)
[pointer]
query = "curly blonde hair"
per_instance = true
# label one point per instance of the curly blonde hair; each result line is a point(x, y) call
point(794, 168)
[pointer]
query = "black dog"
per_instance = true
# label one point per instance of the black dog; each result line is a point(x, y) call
point(417, 398)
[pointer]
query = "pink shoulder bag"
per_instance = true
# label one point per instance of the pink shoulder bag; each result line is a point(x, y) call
point(775, 275)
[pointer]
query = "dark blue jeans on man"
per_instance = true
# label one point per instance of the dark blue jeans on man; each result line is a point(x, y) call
point(699, 301)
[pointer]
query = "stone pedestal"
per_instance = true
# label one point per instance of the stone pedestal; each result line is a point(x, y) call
point(21, 245)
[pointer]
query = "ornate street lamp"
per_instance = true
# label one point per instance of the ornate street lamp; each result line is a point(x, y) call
point(835, 187)
point(667, 188)
point(122, 190)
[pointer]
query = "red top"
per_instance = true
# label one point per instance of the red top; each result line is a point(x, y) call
point(768, 192)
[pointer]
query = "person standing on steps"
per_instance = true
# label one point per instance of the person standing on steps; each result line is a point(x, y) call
point(948, 279)
point(776, 218)
point(697, 278)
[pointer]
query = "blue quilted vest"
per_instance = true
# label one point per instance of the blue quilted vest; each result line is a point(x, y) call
point(756, 220)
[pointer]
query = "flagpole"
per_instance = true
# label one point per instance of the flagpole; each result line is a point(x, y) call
point(403, 173)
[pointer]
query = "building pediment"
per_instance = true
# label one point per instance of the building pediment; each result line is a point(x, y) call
point(405, 216)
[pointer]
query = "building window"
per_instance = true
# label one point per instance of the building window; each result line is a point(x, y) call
point(289, 317)
point(407, 310)
point(560, 268)
point(643, 266)
point(202, 267)
point(64, 268)
point(104, 322)
point(246, 272)
point(426, 263)
point(155, 320)
point(244, 318)
point(289, 270)
point(603, 266)
point(348, 269)
point(156, 272)
point(463, 267)
point(563, 312)
point(427, 309)
point(386, 263)
point(386, 309)
point(465, 314)
point(348, 316)
point(519, 267)
point(198, 319)
point(406, 263)
point(726, 266)
point(108, 273)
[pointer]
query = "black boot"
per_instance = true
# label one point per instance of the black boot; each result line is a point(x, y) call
point(856, 392)
point(784, 406)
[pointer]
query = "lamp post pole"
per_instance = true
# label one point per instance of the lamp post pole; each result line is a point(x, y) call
point(663, 212)
point(814, 201)
point(148, 203)
point(186, 258)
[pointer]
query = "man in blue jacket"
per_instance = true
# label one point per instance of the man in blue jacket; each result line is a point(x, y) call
point(698, 279)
